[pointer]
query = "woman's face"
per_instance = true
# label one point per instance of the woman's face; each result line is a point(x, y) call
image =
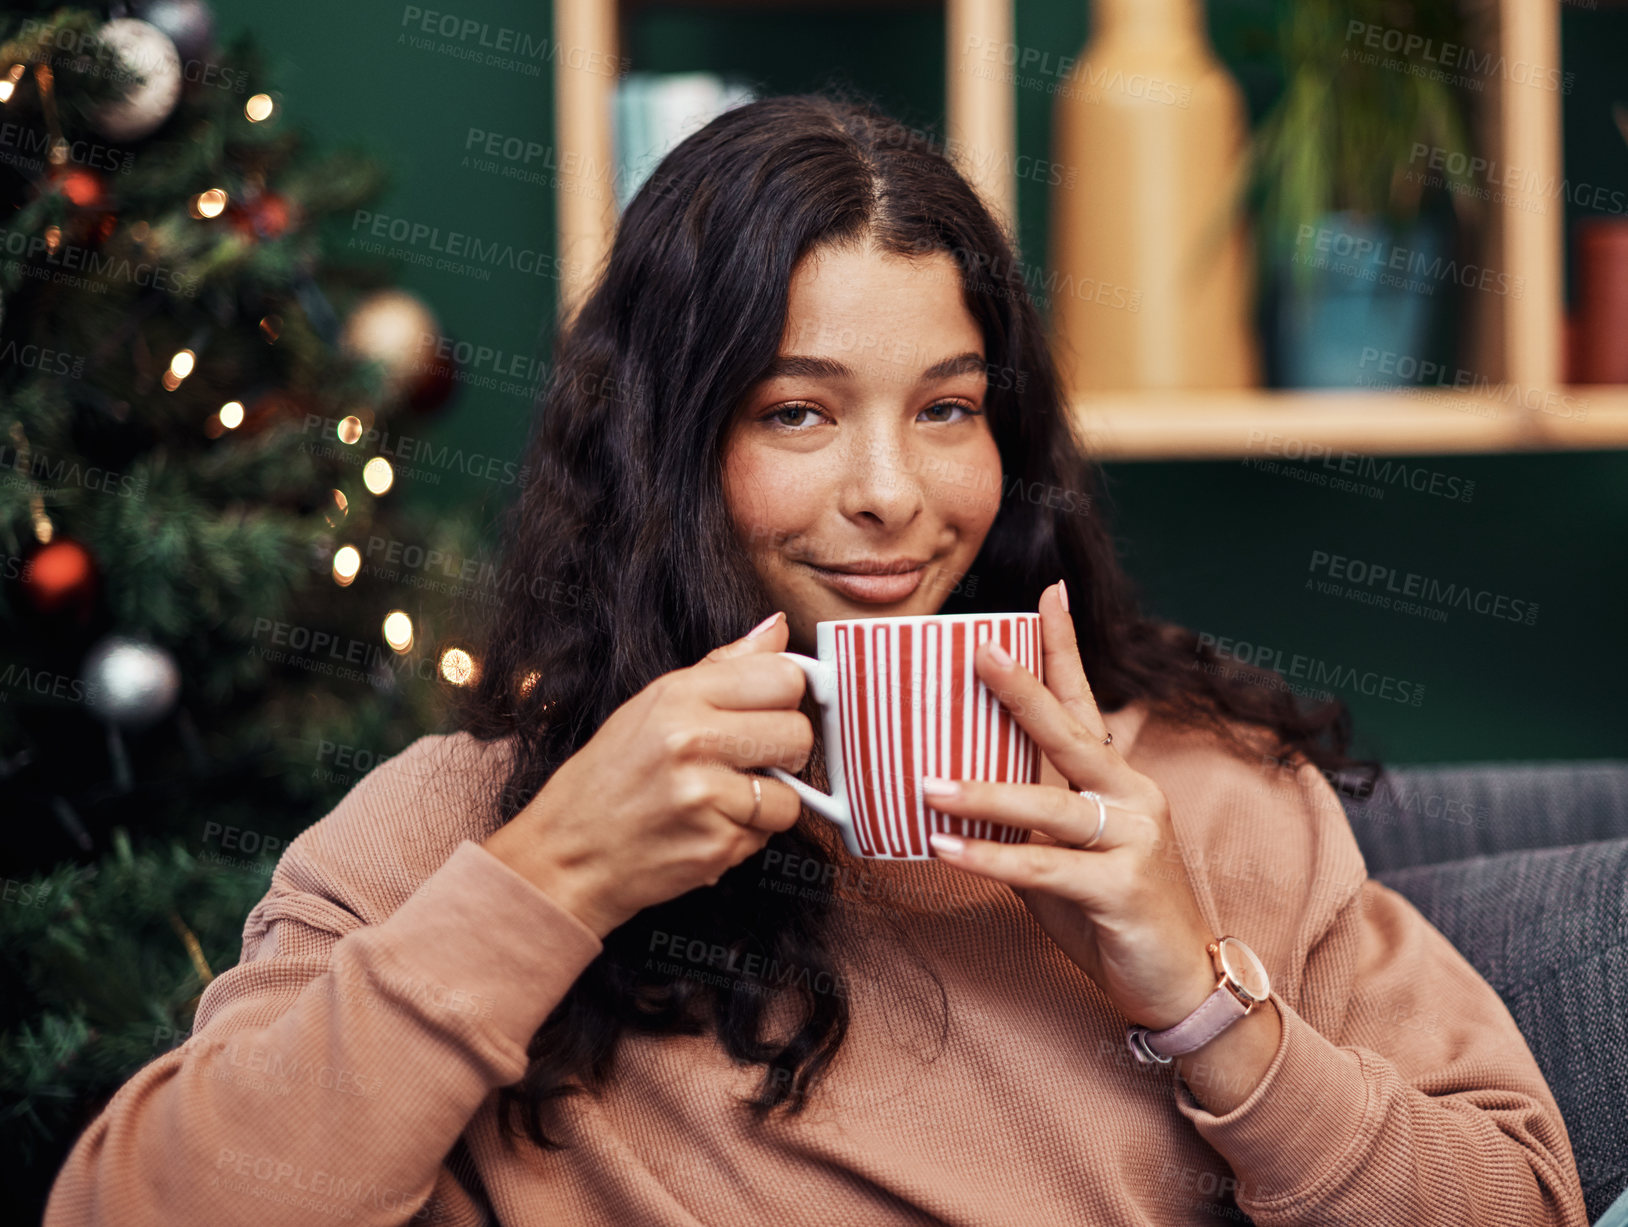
point(861, 473)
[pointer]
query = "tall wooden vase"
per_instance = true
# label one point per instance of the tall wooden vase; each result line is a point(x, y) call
point(1151, 272)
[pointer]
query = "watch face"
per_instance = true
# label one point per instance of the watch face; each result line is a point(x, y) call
point(1245, 968)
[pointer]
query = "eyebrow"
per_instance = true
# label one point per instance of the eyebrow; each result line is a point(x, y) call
point(809, 367)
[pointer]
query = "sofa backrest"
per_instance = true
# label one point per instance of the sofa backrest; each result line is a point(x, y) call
point(1424, 814)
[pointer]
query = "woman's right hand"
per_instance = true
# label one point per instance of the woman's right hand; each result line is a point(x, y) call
point(653, 806)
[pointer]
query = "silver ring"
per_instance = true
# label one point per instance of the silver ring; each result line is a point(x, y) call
point(757, 801)
point(1108, 740)
point(1102, 818)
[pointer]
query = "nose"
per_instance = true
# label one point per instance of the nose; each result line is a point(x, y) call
point(882, 479)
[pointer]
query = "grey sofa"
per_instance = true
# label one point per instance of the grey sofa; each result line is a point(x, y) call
point(1524, 868)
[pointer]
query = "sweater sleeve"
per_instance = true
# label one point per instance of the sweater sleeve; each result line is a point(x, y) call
point(334, 1068)
point(1401, 1092)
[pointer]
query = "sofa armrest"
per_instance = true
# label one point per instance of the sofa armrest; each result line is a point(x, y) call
point(1427, 814)
point(1548, 930)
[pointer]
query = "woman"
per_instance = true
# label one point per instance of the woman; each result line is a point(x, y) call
point(581, 962)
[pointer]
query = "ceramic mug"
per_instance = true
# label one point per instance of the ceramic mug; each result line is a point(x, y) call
point(899, 699)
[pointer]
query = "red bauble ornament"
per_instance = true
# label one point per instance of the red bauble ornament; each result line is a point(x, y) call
point(266, 216)
point(432, 386)
point(61, 578)
point(82, 186)
point(270, 409)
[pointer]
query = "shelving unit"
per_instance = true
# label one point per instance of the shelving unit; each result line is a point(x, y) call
point(1218, 425)
point(981, 116)
point(1514, 339)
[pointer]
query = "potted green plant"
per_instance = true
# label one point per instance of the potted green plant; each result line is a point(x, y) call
point(1358, 173)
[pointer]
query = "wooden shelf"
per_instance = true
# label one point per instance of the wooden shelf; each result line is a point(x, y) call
point(980, 118)
point(1514, 343)
point(782, 6)
point(1283, 425)
point(1516, 339)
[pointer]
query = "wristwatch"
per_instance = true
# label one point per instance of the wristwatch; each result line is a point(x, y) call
point(1243, 985)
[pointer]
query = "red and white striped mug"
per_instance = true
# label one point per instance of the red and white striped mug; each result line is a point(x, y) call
point(900, 699)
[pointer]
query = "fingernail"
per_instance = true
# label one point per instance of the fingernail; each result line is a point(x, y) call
point(763, 625)
point(936, 786)
point(1000, 655)
point(947, 845)
point(1062, 594)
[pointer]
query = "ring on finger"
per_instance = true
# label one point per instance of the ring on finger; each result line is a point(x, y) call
point(1102, 818)
point(757, 801)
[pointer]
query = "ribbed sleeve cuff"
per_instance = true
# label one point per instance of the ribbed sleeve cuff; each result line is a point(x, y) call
point(489, 944)
point(1299, 1127)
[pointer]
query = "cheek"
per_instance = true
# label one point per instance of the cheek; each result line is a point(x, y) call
point(767, 494)
point(969, 493)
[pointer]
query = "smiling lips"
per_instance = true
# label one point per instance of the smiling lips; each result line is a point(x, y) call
point(874, 583)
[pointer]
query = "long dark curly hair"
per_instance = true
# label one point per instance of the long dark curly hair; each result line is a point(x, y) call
point(633, 566)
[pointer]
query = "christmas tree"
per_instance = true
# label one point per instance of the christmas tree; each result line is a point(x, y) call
point(219, 611)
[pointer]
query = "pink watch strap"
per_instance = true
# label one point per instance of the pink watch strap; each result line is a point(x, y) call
point(1214, 1015)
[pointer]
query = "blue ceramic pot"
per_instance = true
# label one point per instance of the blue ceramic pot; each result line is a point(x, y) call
point(1357, 302)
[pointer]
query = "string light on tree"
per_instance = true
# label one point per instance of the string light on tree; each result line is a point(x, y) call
point(347, 563)
point(211, 203)
point(229, 416)
point(377, 475)
point(526, 681)
point(259, 108)
point(349, 429)
point(398, 630)
point(8, 83)
point(459, 667)
point(181, 365)
point(338, 509)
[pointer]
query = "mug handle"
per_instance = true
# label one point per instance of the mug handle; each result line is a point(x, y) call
point(822, 684)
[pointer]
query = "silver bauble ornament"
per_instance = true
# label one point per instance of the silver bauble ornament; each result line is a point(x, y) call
point(146, 50)
point(396, 330)
point(189, 24)
point(132, 683)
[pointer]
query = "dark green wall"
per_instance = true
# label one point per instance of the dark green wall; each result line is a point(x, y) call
point(1221, 546)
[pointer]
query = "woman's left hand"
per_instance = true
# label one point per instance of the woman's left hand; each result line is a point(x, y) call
point(1115, 909)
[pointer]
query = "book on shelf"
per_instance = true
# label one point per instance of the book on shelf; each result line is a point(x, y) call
point(657, 110)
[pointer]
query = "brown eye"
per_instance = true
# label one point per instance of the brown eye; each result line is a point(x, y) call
point(950, 405)
point(776, 416)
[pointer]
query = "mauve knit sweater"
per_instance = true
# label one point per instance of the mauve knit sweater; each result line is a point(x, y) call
point(347, 1069)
